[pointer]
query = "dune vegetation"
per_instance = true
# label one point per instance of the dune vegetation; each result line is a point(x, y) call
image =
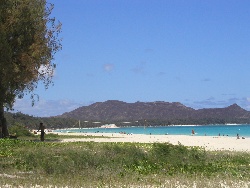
point(27, 162)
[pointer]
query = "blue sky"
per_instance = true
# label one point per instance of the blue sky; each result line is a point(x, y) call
point(196, 52)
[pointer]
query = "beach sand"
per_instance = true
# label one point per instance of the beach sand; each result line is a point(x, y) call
point(212, 143)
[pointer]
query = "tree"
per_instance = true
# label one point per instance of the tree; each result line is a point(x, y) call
point(28, 43)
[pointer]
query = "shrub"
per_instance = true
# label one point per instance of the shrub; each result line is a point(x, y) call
point(19, 130)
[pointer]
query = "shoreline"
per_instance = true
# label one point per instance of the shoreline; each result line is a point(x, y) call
point(210, 143)
point(192, 130)
point(107, 126)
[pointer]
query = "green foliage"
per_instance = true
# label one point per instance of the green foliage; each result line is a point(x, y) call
point(7, 147)
point(29, 41)
point(104, 164)
point(32, 122)
point(19, 130)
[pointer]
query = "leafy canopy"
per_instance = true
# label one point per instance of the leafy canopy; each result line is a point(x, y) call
point(28, 43)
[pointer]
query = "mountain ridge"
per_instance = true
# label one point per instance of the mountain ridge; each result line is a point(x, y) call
point(157, 112)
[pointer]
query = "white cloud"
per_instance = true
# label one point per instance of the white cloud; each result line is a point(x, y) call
point(46, 70)
point(247, 103)
point(108, 67)
point(215, 103)
point(45, 108)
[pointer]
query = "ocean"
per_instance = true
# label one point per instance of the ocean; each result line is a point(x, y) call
point(200, 130)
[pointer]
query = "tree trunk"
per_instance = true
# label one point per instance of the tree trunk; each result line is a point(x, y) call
point(3, 124)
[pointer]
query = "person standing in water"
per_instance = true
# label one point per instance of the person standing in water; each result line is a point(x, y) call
point(41, 127)
point(193, 133)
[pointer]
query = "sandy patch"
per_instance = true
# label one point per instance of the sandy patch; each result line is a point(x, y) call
point(212, 143)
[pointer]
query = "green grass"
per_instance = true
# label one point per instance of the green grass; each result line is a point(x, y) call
point(90, 164)
point(52, 137)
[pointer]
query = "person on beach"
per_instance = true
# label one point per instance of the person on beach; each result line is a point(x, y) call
point(41, 127)
point(193, 133)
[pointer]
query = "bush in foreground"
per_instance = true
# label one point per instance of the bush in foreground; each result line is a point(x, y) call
point(19, 130)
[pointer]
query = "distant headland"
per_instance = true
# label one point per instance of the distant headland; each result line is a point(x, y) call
point(158, 113)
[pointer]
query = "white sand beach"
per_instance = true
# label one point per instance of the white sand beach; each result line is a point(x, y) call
point(212, 143)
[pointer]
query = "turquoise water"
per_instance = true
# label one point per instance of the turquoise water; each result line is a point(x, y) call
point(209, 130)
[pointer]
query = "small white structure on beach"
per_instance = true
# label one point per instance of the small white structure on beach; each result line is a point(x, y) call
point(109, 126)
